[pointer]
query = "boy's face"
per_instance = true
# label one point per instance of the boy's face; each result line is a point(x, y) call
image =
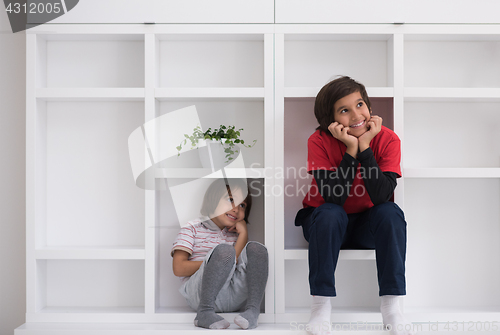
point(351, 111)
point(230, 209)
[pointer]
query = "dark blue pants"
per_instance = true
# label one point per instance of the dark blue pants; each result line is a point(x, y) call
point(383, 228)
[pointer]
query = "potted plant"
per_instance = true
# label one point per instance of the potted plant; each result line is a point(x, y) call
point(220, 141)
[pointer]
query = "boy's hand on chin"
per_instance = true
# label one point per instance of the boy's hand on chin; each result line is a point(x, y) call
point(240, 227)
point(341, 133)
point(375, 125)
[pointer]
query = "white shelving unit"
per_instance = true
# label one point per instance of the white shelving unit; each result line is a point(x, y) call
point(434, 85)
point(88, 90)
point(98, 247)
point(461, 75)
point(307, 57)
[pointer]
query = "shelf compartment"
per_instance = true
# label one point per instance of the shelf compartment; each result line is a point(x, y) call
point(299, 124)
point(72, 61)
point(90, 253)
point(344, 255)
point(451, 173)
point(452, 224)
point(312, 60)
point(168, 297)
point(86, 193)
point(211, 113)
point(355, 283)
point(433, 61)
point(434, 134)
point(206, 60)
point(110, 286)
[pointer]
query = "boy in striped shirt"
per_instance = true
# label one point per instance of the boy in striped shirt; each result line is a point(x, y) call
point(221, 271)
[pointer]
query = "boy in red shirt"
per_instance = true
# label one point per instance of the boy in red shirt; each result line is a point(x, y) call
point(355, 162)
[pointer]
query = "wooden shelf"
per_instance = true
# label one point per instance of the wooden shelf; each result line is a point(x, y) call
point(454, 94)
point(283, 328)
point(209, 92)
point(353, 255)
point(157, 329)
point(469, 315)
point(339, 314)
point(208, 173)
point(311, 92)
point(126, 253)
point(75, 94)
point(93, 310)
point(181, 316)
point(417, 315)
point(451, 172)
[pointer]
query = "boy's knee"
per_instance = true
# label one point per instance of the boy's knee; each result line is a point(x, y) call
point(224, 251)
point(329, 209)
point(389, 209)
point(329, 215)
point(390, 214)
point(255, 248)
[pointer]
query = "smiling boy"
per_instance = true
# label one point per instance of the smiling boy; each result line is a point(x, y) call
point(355, 161)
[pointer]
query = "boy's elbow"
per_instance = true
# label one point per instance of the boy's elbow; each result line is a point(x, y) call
point(380, 200)
point(179, 273)
point(177, 269)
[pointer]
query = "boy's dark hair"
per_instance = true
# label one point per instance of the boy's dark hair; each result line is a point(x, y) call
point(330, 94)
point(218, 189)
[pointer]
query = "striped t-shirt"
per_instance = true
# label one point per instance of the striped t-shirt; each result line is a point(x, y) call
point(198, 237)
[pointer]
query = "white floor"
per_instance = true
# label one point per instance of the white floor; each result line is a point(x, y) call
point(187, 329)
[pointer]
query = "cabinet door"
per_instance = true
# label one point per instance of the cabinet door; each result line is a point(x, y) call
point(451, 11)
point(387, 11)
point(214, 11)
point(109, 11)
point(327, 11)
point(170, 11)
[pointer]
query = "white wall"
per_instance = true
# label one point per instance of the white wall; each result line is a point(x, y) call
point(12, 177)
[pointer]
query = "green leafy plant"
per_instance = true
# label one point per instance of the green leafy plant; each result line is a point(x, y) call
point(226, 136)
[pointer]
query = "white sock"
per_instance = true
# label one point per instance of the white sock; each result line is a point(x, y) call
point(393, 317)
point(319, 323)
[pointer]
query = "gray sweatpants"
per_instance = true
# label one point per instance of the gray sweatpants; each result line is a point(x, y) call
point(234, 293)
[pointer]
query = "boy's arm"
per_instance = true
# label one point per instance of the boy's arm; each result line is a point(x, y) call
point(379, 185)
point(241, 228)
point(182, 266)
point(335, 186)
